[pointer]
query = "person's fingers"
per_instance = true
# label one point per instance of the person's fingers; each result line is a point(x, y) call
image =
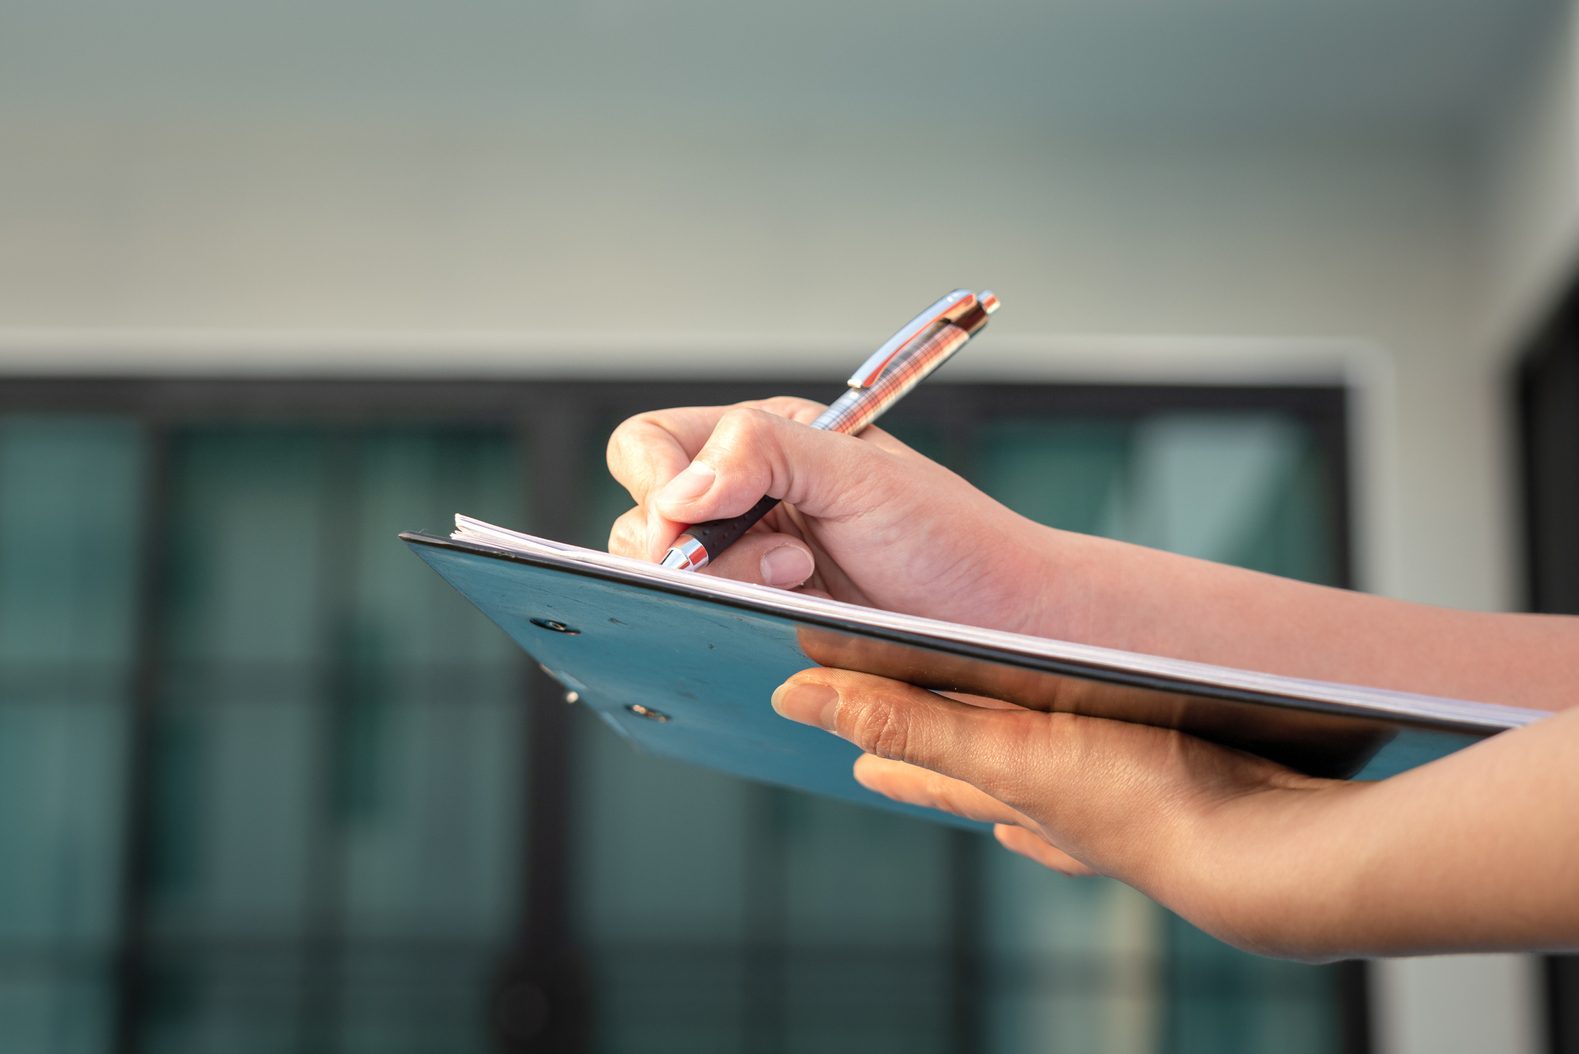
point(649, 449)
point(1033, 846)
point(752, 453)
point(1125, 798)
point(628, 535)
point(766, 558)
point(1003, 752)
point(932, 790)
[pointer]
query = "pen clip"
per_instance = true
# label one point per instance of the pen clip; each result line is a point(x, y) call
point(949, 309)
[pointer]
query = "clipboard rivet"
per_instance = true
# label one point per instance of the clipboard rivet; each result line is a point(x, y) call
point(648, 712)
point(555, 625)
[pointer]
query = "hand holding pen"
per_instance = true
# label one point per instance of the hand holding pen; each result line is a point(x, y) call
point(865, 520)
point(904, 361)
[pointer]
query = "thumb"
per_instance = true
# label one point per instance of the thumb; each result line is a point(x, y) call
point(753, 453)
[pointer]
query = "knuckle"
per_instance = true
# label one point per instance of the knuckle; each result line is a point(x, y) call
point(742, 422)
point(621, 436)
point(792, 407)
point(1033, 752)
point(741, 444)
point(946, 795)
point(882, 729)
point(626, 452)
point(1060, 737)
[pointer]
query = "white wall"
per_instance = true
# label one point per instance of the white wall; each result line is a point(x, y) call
point(708, 230)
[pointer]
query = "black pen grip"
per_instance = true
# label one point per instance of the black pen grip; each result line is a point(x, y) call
point(718, 535)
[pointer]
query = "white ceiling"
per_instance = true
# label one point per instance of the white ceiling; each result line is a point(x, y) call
point(1364, 67)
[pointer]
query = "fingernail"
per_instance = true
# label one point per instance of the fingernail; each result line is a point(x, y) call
point(788, 565)
point(810, 704)
point(688, 485)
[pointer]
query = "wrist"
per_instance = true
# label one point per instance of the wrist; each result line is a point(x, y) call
point(1277, 871)
point(1068, 586)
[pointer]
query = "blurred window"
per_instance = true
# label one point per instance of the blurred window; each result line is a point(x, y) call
point(267, 784)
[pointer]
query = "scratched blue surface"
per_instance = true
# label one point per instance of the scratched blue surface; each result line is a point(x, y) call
point(711, 669)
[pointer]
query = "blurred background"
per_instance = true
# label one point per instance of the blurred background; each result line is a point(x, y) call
point(1288, 285)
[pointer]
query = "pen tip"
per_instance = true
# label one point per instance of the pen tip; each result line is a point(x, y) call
point(686, 554)
point(988, 301)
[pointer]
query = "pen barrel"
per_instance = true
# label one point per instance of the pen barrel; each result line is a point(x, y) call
point(859, 407)
point(718, 535)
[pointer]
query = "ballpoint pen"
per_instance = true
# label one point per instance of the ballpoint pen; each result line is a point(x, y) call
point(904, 361)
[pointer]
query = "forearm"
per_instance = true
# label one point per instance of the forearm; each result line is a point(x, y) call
point(1126, 596)
point(1478, 851)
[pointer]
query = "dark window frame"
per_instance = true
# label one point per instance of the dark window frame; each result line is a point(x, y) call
point(542, 969)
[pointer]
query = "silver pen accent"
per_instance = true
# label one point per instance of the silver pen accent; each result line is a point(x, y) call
point(904, 361)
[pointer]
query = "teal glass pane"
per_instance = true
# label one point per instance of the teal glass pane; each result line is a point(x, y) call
point(241, 720)
point(1245, 489)
point(396, 1004)
point(62, 811)
point(56, 1011)
point(418, 478)
point(683, 830)
point(1070, 474)
point(254, 547)
point(864, 997)
point(338, 744)
point(432, 720)
point(71, 515)
point(1296, 538)
point(429, 810)
point(852, 875)
point(242, 1001)
point(686, 999)
point(235, 791)
point(1071, 962)
point(1225, 1000)
point(924, 437)
point(864, 914)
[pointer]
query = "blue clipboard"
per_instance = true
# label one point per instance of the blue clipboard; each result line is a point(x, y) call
point(683, 665)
